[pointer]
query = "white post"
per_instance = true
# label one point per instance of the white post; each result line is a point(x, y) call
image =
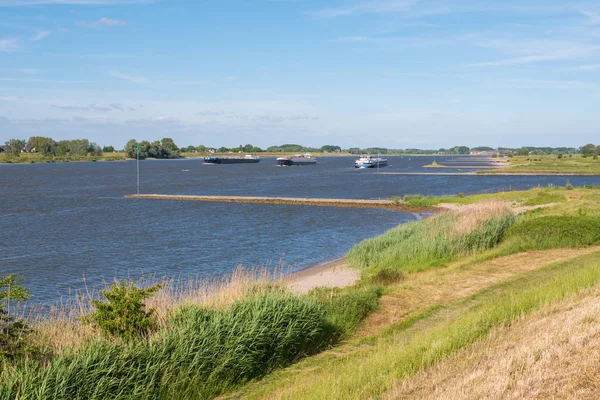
point(138, 170)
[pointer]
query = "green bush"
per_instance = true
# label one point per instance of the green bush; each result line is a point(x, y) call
point(13, 333)
point(554, 232)
point(124, 313)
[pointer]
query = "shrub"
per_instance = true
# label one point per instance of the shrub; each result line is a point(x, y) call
point(461, 195)
point(568, 186)
point(123, 314)
point(560, 156)
point(12, 333)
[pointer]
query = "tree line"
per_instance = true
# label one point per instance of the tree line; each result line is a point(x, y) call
point(160, 149)
point(49, 147)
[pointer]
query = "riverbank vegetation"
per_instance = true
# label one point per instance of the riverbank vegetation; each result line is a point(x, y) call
point(576, 164)
point(431, 290)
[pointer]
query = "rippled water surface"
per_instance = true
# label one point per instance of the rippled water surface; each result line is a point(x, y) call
point(61, 222)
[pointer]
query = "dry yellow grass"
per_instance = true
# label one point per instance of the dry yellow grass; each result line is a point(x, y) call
point(471, 216)
point(553, 354)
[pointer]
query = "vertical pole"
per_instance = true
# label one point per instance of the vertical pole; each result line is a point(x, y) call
point(378, 161)
point(138, 170)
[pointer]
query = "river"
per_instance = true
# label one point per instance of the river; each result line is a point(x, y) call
point(62, 222)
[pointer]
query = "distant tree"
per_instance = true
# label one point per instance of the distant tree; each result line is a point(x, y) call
point(588, 149)
point(15, 147)
point(274, 149)
point(482, 148)
point(460, 150)
point(201, 149)
point(168, 149)
point(43, 145)
point(354, 150)
point(330, 148)
point(108, 149)
point(154, 149)
point(559, 156)
point(522, 152)
point(62, 148)
point(223, 149)
point(79, 147)
point(248, 148)
point(94, 149)
point(189, 149)
point(598, 150)
point(130, 150)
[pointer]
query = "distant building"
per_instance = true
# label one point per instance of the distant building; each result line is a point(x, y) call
point(28, 149)
point(485, 153)
point(3, 149)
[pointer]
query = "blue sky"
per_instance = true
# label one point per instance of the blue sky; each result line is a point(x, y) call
point(394, 73)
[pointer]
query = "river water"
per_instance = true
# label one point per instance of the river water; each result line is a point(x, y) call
point(62, 222)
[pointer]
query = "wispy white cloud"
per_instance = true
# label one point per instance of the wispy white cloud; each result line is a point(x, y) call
point(550, 84)
point(532, 51)
point(41, 35)
point(366, 7)
point(588, 67)
point(593, 18)
point(127, 77)
point(18, 3)
point(94, 107)
point(29, 71)
point(9, 44)
point(103, 23)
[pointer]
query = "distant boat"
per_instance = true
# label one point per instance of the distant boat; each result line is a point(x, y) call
point(298, 159)
point(370, 162)
point(247, 159)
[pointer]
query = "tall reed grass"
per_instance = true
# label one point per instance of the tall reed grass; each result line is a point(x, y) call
point(435, 241)
point(211, 338)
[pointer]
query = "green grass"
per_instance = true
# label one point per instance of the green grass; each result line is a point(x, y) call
point(577, 164)
point(201, 353)
point(551, 232)
point(545, 198)
point(371, 372)
point(425, 244)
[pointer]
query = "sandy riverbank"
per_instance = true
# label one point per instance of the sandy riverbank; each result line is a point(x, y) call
point(334, 273)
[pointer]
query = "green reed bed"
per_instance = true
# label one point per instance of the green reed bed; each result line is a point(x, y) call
point(432, 242)
point(199, 353)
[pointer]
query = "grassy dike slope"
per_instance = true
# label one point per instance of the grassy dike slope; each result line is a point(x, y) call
point(457, 298)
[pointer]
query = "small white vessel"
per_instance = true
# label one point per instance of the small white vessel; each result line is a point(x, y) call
point(370, 162)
